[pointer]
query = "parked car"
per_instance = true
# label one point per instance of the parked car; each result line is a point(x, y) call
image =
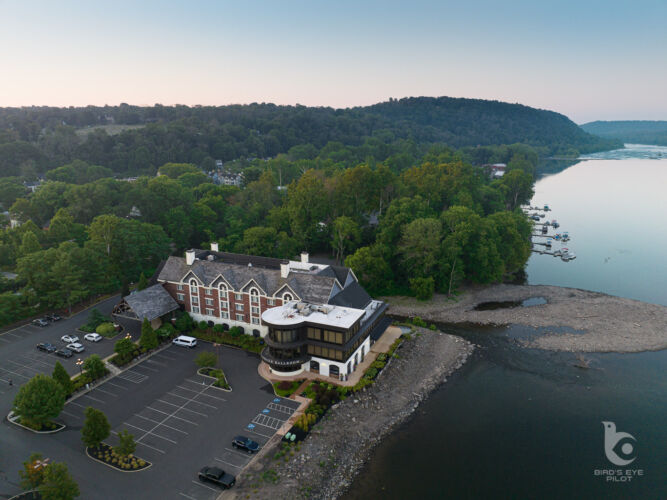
point(93, 337)
point(69, 338)
point(76, 347)
point(40, 322)
point(52, 317)
point(245, 443)
point(217, 476)
point(64, 353)
point(185, 341)
point(46, 347)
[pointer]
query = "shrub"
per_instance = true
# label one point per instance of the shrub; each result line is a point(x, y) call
point(126, 445)
point(222, 382)
point(148, 339)
point(106, 329)
point(285, 387)
point(58, 484)
point(423, 288)
point(94, 366)
point(381, 357)
point(95, 428)
point(235, 331)
point(166, 331)
point(184, 323)
point(432, 327)
point(206, 359)
point(203, 325)
point(371, 373)
point(219, 328)
point(417, 321)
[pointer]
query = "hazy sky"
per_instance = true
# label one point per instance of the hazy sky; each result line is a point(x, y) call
point(588, 59)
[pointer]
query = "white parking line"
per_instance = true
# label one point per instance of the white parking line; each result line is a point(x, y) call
point(163, 425)
point(76, 404)
point(164, 356)
point(144, 444)
point(172, 416)
point(35, 360)
point(146, 368)
point(149, 432)
point(228, 463)
point(5, 340)
point(256, 432)
point(26, 367)
point(15, 373)
point(193, 400)
point(203, 393)
point(240, 454)
point(70, 414)
point(186, 496)
point(204, 486)
point(266, 421)
point(94, 399)
point(116, 385)
point(182, 408)
point(106, 392)
point(12, 334)
point(155, 362)
point(133, 377)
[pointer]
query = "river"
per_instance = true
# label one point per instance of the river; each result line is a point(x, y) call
point(526, 423)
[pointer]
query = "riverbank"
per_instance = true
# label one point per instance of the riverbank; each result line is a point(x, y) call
point(338, 446)
point(602, 323)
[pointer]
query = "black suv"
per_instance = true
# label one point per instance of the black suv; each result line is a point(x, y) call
point(46, 347)
point(64, 353)
point(217, 476)
point(244, 443)
point(52, 317)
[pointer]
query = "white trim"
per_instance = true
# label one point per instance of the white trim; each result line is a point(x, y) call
point(294, 294)
point(186, 280)
point(252, 280)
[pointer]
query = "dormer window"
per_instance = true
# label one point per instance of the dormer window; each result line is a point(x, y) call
point(193, 284)
point(254, 295)
point(287, 297)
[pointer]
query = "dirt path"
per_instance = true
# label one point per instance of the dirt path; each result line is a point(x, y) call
point(606, 323)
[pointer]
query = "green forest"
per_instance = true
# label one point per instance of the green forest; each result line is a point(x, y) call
point(400, 192)
point(634, 132)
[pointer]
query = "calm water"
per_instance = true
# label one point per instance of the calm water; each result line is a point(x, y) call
point(525, 423)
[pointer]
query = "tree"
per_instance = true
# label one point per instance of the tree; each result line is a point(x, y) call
point(420, 246)
point(206, 359)
point(184, 323)
point(371, 268)
point(39, 401)
point(423, 288)
point(517, 186)
point(61, 376)
point(58, 484)
point(94, 366)
point(148, 339)
point(345, 235)
point(126, 443)
point(143, 282)
point(30, 244)
point(95, 429)
point(32, 474)
point(124, 348)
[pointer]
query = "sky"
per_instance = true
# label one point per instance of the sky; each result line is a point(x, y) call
point(588, 59)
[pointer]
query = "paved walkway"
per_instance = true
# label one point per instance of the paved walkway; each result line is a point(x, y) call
point(382, 345)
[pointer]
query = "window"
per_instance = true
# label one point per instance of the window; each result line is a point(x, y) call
point(255, 310)
point(193, 284)
point(209, 312)
point(224, 315)
point(180, 297)
point(254, 296)
point(240, 317)
point(209, 302)
point(325, 352)
point(223, 291)
point(314, 333)
point(179, 286)
point(223, 305)
point(255, 321)
point(238, 296)
point(239, 307)
point(195, 309)
point(333, 337)
point(287, 297)
point(195, 300)
point(270, 302)
point(208, 291)
point(284, 336)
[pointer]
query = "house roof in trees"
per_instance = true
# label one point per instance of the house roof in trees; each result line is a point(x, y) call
point(309, 283)
point(151, 303)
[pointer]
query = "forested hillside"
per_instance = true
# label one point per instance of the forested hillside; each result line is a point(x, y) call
point(634, 132)
point(36, 139)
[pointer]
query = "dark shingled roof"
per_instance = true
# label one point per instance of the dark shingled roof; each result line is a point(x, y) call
point(308, 286)
point(151, 303)
point(353, 296)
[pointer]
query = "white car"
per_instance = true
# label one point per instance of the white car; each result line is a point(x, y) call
point(93, 337)
point(76, 347)
point(70, 339)
point(185, 341)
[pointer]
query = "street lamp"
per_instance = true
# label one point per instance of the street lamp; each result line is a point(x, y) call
point(128, 336)
point(79, 363)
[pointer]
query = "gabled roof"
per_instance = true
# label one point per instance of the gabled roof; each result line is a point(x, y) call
point(151, 303)
point(353, 295)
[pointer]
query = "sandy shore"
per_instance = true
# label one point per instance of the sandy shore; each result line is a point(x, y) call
point(338, 446)
point(603, 323)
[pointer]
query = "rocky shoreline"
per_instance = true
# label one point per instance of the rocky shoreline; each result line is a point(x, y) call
point(598, 322)
point(337, 448)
